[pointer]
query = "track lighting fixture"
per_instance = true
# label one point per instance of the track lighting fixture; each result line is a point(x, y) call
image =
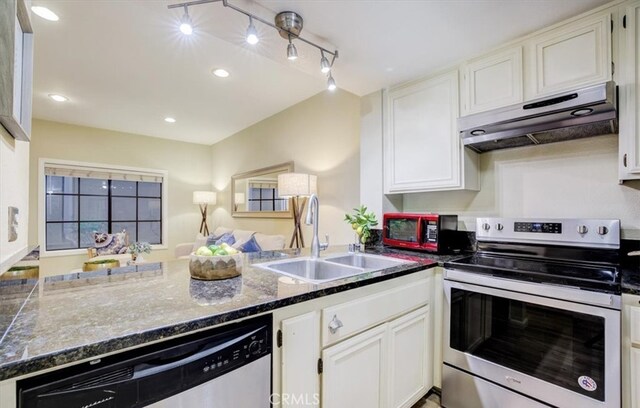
point(252, 33)
point(331, 83)
point(292, 52)
point(325, 66)
point(287, 23)
point(185, 23)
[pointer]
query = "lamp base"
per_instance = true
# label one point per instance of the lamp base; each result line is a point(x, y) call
point(297, 204)
point(204, 229)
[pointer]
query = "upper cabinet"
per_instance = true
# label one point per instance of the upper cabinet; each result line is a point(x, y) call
point(492, 81)
point(422, 148)
point(569, 56)
point(629, 93)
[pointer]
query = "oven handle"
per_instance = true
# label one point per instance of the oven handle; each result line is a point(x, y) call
point(537, 289)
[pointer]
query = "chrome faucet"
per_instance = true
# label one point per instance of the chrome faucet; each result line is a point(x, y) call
point(312, 218)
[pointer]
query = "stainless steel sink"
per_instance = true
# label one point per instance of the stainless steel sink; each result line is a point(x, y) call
point(312, 270)
point(372, 262)
point(331, 268)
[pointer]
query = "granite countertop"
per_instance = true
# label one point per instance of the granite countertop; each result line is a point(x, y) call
point(67, 318)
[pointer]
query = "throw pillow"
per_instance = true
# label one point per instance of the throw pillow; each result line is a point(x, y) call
point(110, 244)
point(211, 240)
point(227, 238)
point(250, 246)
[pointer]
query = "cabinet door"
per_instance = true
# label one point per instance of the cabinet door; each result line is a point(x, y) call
point(493, 81)
point(629, 95)
point(573, 55)
point(635, 378)
point(422, 149)
point(354, 372)
point(300, 353)
point(410, 357)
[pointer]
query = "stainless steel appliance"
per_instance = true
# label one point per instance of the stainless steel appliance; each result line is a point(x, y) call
point(219, 368)
point(569, 115)
point(533, 318)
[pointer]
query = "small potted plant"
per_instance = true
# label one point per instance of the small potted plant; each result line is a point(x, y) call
point(137, 248)
point(361, 221)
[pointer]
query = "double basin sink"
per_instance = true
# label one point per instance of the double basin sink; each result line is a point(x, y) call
point(333, 267)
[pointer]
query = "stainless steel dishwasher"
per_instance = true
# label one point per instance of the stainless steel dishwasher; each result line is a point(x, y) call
point(218, 368)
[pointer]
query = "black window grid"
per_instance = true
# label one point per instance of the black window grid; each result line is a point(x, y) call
point(110, 221)
point(263, 200)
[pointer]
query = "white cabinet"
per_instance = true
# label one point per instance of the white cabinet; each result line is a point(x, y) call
point(422, 149)
point(410, 359)
point(354, 373)
point(569, 56)
point(629, 94)
point(630, 351)
point(387, 366)
point(492, 81)
point(380, 355)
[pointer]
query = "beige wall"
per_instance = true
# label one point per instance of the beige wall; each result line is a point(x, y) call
point(14, 185)
point(570, 179)
point(321, 135)
point(189, 167)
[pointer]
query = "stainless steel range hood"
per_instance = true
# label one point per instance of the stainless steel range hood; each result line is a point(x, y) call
point(570, 115)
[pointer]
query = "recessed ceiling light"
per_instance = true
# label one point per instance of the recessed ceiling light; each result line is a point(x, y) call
point(45, 13)
point(221, 73)
point(170, 120)
point(58, 98)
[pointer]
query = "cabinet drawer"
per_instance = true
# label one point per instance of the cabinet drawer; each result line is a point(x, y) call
point(360, 314)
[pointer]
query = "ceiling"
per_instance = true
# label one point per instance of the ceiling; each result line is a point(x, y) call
point(125, 66)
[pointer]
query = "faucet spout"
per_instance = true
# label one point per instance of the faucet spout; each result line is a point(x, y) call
point(312, 218)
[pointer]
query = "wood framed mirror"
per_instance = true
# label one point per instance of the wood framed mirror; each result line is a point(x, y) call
point(254, 194)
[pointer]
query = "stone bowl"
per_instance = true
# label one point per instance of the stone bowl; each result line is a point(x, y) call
point(215, 267)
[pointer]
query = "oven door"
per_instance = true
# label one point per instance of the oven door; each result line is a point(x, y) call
point(563, 353)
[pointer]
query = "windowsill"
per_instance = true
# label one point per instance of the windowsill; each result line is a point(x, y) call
point(83, 251)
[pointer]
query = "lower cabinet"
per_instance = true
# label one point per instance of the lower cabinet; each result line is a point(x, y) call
point(366, 356)
point(630, 351)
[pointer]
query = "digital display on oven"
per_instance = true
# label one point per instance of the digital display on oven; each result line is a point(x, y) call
point(402, 229)
point(542, 227)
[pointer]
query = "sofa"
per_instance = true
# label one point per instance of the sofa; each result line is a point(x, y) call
point(266, 242)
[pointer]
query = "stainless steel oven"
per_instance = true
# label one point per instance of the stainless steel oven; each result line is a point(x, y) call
point(527, 331)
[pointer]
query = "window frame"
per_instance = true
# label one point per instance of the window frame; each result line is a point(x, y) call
point(42, 216)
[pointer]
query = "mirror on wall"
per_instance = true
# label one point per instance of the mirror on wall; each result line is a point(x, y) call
point(255, 193)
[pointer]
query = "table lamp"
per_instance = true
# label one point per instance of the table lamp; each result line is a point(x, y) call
point(203, 199)
point(297, 187)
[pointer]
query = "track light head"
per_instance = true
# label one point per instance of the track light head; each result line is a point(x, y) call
point(252, 33)
point(331, 83)
point(292, 52)
point(325, 66)
point(185, 23)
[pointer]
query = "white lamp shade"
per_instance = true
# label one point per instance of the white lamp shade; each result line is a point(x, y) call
point(239, 198)
point(297, 184)
point(204, 197)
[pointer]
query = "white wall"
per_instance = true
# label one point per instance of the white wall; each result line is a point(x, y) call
point(570, 179)
point(321, 136)
point(188, 164)
point(14, 191)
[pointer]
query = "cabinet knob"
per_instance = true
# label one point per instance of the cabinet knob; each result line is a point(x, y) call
point(602, 230)
point(335, 324)
point(582, 229)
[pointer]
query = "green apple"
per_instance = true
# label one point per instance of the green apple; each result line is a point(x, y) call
point(213, 248)
point(204, 251)
point(220, 252)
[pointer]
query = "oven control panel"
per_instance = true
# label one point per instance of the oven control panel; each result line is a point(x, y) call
point(542, 227)
point(584, 232)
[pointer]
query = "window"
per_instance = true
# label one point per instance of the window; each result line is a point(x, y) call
point(79, 201)
point(263, 196)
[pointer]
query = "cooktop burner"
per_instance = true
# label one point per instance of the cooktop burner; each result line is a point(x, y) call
point(579, 253)
point(585, 276)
